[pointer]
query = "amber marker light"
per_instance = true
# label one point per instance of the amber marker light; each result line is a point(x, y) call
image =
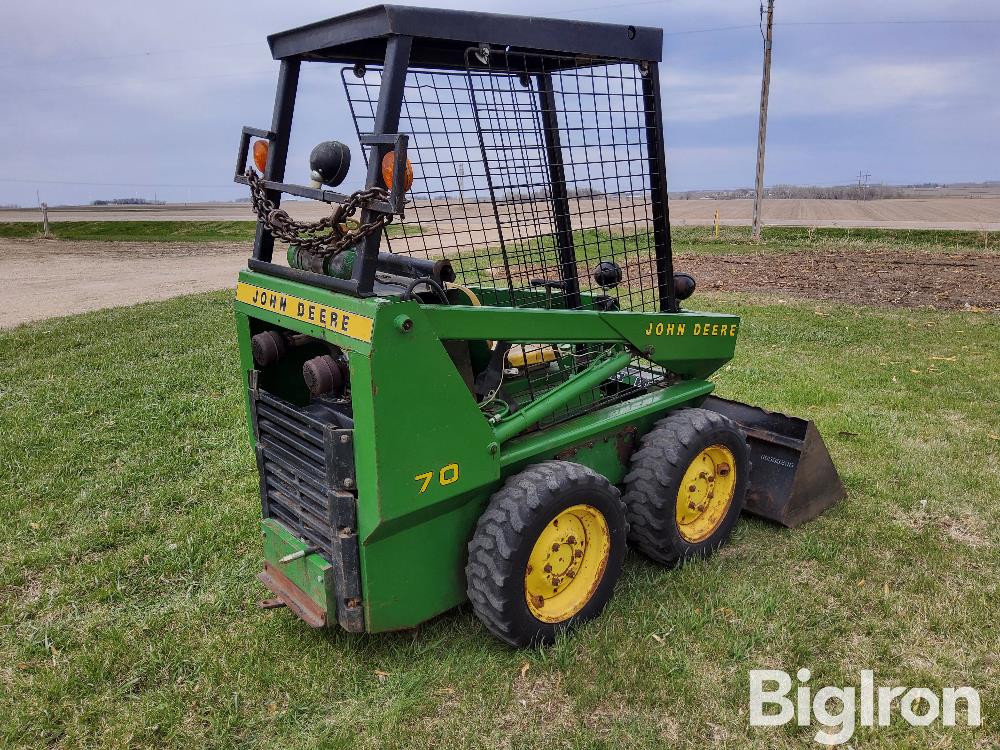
point(260, 155)
point(388, 163)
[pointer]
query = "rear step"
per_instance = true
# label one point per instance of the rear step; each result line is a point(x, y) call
point(792, 476)
point(291, 596)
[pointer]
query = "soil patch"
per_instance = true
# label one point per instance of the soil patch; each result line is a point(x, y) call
point(936, 281)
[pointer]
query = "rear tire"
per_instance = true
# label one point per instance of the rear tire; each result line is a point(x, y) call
point(686, 485)
point(547, 552)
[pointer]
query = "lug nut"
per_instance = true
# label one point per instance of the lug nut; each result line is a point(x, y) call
point(693, 488)
point(723, 469)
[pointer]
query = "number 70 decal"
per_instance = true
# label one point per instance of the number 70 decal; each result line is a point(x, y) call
point(446, 475)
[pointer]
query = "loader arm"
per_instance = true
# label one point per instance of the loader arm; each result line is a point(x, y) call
point(690, 344)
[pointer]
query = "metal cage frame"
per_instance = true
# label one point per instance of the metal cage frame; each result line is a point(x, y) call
point(401, 40)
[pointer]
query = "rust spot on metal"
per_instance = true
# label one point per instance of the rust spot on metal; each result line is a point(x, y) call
point(293, 597)
point(539, 601)
point(625, 444)
point(723, 469)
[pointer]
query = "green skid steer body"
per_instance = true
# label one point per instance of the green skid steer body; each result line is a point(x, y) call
point(486, 397)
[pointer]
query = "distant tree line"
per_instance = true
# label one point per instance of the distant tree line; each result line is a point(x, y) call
point(833, 192)
point(127, 202)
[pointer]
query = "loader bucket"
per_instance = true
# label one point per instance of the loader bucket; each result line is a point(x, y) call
point(792, 477)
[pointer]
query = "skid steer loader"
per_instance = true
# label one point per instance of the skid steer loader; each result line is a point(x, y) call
point(474, 380)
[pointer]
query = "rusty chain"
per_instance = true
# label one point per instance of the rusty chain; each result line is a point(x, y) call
point(333, 236)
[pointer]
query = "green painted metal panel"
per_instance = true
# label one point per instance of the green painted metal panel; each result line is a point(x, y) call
point(312, 574)
point(422, 461)
point(676, 341)
point(523, 450)
point(362, 309)
point(426, 458)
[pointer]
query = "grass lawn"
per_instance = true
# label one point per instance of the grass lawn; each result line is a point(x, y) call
point(129, 554)
point(685, 238)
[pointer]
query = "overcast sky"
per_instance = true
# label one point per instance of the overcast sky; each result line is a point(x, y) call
point(110, 98)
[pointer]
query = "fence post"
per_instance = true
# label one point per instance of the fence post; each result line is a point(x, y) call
point(45, 220)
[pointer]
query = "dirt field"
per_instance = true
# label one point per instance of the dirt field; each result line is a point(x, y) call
point(938, 281)
point(897, 213)
point(49, 278)
point(43, 279)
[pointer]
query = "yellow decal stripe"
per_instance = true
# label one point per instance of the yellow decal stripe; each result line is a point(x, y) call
point(347, 323)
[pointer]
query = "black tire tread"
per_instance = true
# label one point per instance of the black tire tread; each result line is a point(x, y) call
point(500, 530)
point(654, 466)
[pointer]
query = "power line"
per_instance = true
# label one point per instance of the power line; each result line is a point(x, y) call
point(126, 55)
point(713, 29)
point(109, 184)
point(144, 81)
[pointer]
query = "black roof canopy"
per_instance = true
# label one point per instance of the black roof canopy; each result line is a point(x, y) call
point(441, 37)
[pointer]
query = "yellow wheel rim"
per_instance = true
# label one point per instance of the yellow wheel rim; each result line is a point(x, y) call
point(705, 493)
point(567, 563)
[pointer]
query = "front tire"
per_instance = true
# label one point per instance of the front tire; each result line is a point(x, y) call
point(686, 485)
point(547, 552)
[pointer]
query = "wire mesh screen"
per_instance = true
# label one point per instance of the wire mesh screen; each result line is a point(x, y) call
point(532, 174)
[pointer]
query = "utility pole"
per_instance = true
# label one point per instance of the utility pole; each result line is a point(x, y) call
point(762, 124)
point(863, 187)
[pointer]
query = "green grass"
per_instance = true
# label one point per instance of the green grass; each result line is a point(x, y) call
point(153, 231)
point(685, 238)
point(130, 546)
point(784, 239)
